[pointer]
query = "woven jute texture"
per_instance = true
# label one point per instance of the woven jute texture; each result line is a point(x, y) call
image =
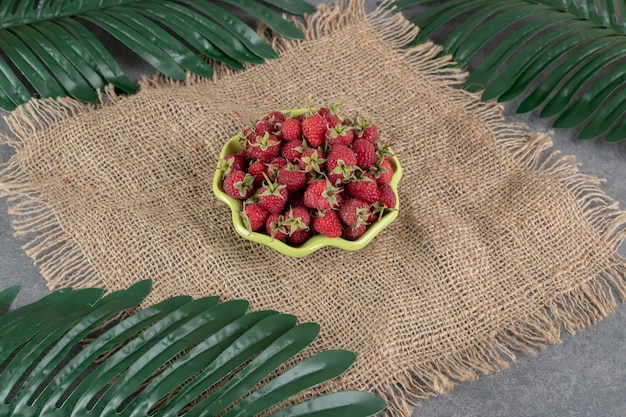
point(500, 243)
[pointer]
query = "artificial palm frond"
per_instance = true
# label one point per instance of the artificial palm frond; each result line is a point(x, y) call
point(72, 353)
point(566, 56)
point(49, 50)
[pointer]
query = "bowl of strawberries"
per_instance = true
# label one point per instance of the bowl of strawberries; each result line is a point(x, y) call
point(300, 180)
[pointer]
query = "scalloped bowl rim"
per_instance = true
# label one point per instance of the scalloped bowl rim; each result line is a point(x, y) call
point(316, 242)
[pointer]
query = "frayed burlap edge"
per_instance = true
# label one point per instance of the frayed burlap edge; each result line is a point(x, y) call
point(63, 263)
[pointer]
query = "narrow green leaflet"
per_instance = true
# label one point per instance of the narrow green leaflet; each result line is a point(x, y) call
point(65, 72)
point(485, 33)
point(10, 84)
point(310, 372)
point(138, 349)
point(267, 16)
point(72, 333)
point(50, 49)
point(592, 99)
point(33, 69)
point(22, 14)
point(564, 95)
point(28, 380)
point(7, 296)
point(138, 43)
point(189, 365)
point(6, 11)
point(196, 31)
point(73, 52)
point(241, 350)
point(99, 56)
point(75, 353)
point(340, 404)
point(234, 25)
point(608, 115)
point(12, 319)
point(298, 7)
point(604, 18)
point(533, 61)
point(188, 334)
point(33, 325)
point(453, 10)
point(550, 51)
point(528, 54)
point(158, 36)
point(618, 24)
point(498, 57)
point(587, 52)
point(64, 8)
point(403, 4)
point(127, 328)
point(618, 133)
point(15, 89)
point(279, 352)
point(228, 44)
point(466, 28)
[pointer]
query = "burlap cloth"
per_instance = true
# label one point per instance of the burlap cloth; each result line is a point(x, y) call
point(498, 245)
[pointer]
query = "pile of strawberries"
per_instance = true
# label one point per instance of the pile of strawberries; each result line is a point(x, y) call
point(317, 173)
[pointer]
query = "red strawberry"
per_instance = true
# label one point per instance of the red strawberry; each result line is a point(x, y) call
point(296, 199)
point(291, 129)
point(276, 165)
point(292, 150)
point(292, 177)
point(264, 147)
point(300, 213)
point(254, 217)
point(332, 120)
point(383, 172)
point(263, 126)
point(354, 232)
point(297, 218)
point(312, 160)
point(327, 223)
point(370, 133)
point(365, 151)
point(383, 149)
point(325, 111)
point(247, 133)
point(299, 237)
point(367, 130)
point(364, 188)
point(341, 164)
point(340, 134)
point(274, 226)
point(330, 109)
point(322, 195)
point(314, 130)
point(233, 162)
point(239, 184)
point(272, 196)
point(375, 212)
point(354, 212)
point(258, 169)
point(387, 196)
point(274, 118)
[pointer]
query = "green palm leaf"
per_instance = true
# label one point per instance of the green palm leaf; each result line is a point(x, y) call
point(553, 54)
point(73, 353)
point(48, 49)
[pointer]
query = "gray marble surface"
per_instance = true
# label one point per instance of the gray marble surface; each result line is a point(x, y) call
point(585, 375)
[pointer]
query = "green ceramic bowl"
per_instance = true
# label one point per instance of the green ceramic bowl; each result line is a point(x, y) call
point(317, 241)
